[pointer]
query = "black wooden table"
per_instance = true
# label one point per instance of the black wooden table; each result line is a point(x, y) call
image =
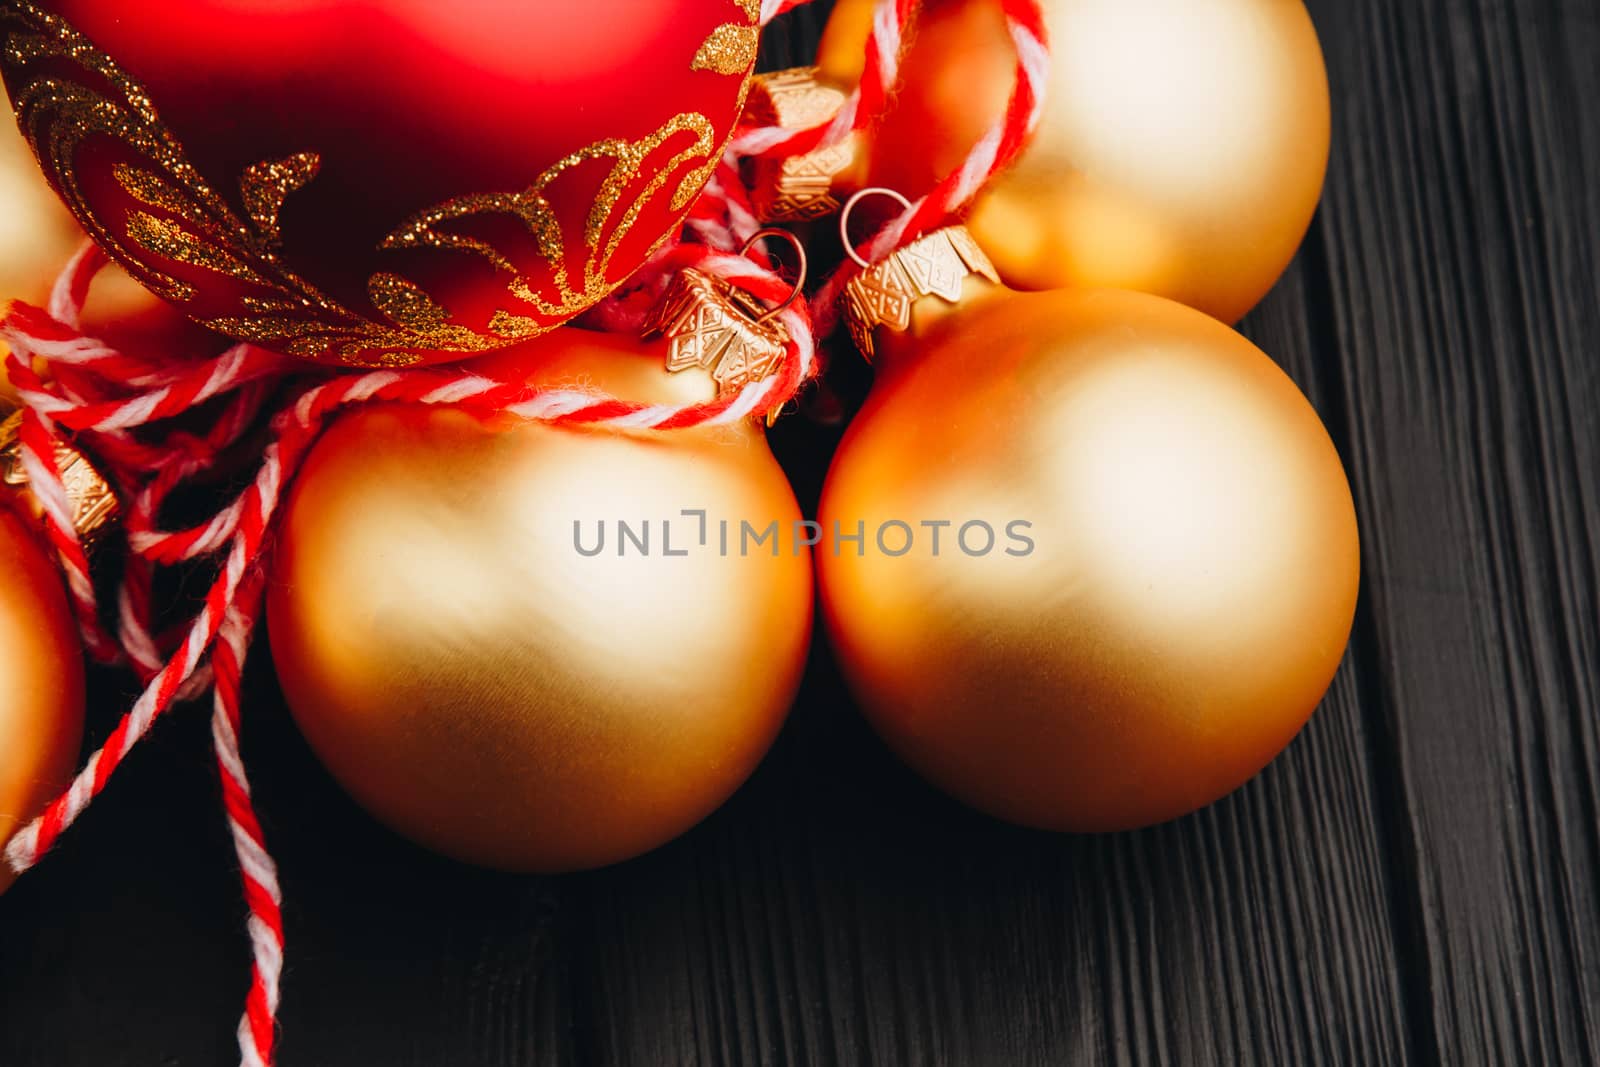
point(1417, 880)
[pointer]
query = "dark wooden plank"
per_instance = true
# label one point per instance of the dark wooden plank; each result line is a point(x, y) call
point(132, 927)
point(1461, 238)
point(398, 957)
point(840, 912)
point(126, 947)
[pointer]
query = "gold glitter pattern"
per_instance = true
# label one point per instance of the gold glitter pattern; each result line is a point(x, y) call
point(169, 240)
point(934, 265)
point(267, 305)
point(149, 189)
point(712, 325)
point(797, 188)
point(731, 49)
point(266, 187)
point(188, 223)
point(604, 229)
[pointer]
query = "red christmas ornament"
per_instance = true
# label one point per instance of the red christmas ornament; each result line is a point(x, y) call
point(379, 182)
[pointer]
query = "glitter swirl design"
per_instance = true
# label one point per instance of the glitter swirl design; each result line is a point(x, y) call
point(177, 218)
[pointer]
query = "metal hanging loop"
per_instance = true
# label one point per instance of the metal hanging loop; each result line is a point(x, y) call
point(848, 210)
point(800, 279)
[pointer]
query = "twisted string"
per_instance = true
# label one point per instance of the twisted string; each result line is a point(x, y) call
point(85, 396)
point(239, 527)
point(258, 1031)
point(995, 151)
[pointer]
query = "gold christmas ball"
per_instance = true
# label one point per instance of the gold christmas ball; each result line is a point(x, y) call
point(41, 677)
point(1108, 558)
point(527, 647)
point(37, 234)
point(842, 52)
point(1182, 150)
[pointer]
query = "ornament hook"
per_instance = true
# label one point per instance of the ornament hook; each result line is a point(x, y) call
point(848, 210)
point(800, 279)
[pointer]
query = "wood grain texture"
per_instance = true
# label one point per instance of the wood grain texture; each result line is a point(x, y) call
point(1416, 881)
point(1460, 236)
point(126, 948)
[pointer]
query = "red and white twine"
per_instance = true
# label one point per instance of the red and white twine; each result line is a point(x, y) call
point(113, 406)
point(994, 152)
point(146, 475)
point(891, 21)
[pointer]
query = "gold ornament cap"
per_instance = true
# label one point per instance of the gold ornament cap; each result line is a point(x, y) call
point(798, 188)
point(712, 325)
point(883, 294)
point(94, 505)
point(715, 327)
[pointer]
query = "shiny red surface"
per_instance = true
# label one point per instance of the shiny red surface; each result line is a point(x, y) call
point(410, 103)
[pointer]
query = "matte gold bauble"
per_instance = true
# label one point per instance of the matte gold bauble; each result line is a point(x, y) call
point(1182, 150)
point(842, 52)
point(37, 234)
point(480, 682)
point(1110, 558)
point(41, 676)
